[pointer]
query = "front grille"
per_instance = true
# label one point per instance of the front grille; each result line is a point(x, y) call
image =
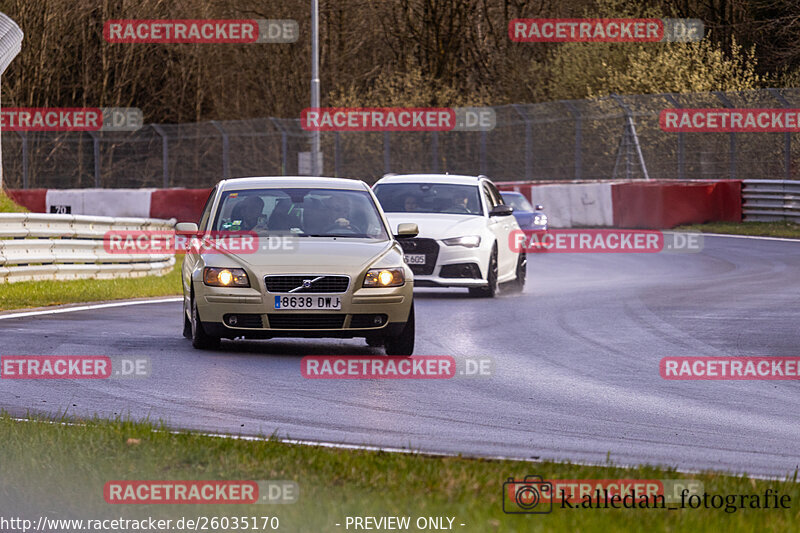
point(367, 321)
point(461, 270)
point(306, 321)
point(326, 284)
point(244, 321)
point(429, 247)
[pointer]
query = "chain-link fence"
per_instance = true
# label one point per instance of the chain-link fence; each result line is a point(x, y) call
point(579, 139)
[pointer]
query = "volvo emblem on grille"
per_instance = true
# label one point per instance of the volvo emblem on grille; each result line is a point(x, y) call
point(306, 283)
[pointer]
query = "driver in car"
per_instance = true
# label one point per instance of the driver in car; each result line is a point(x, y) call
point(339, 208)
point(460, 203)
point(249, 212)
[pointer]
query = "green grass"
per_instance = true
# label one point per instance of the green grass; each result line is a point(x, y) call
point(28, 294)
point(60, 470)
point(7, 205)
point(764, 229)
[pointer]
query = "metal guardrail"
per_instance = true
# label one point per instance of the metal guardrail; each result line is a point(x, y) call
point(770, 200)
point(37, 246)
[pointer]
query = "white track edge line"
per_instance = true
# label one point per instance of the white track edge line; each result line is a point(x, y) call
point(89, 307)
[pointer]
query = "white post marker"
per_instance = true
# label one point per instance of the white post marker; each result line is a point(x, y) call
point(315, 170)
point(10, 46)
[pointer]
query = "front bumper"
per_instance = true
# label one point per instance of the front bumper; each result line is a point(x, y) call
point(364, 312)
point(449, 266)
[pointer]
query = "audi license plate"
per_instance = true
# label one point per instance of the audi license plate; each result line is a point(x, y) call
point(308, 301)
point(414, 259)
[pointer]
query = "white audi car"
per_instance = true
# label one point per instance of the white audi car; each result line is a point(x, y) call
point(464, 227)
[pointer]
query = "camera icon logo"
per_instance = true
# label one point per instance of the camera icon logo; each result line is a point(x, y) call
point(532, 495)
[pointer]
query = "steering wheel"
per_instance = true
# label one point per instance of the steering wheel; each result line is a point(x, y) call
point(350, 228)
point(458, 209)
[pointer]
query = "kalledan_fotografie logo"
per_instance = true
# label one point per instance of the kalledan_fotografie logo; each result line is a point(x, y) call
point(532, 495)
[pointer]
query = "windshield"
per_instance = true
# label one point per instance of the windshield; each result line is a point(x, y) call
point(301, 212)
point(428, 198)
point(517, 201)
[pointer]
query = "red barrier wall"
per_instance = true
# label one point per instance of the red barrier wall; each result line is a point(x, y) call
point(186, 205)
point(664, 205)
point(34, 200)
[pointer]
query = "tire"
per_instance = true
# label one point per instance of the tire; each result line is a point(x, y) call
point(403, 344)
point(490, 289)
point(187, 325)
point(200, 339)
point(518, 285)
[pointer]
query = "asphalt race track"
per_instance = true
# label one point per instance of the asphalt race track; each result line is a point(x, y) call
point(576, 357)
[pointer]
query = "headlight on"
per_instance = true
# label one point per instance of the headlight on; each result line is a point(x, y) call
point(540, 220)
point(384, 277)
point(470, 241)
point(225, 277)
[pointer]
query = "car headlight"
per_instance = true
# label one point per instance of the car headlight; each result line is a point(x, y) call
point(384, 277)
point(225, 277)
point(540, 220)
point(470, 241)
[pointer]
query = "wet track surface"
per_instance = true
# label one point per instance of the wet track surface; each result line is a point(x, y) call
point(576, 367)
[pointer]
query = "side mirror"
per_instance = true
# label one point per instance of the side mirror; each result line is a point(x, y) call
point(539, 207)
point(188, 227)
point(406, 231)
point(501, 211)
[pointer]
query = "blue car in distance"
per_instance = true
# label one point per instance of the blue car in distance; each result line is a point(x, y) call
point(527, 216)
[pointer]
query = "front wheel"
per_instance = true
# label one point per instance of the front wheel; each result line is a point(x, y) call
point(490, 289)
point(200, 339)
point(403, 344)
point(518, 285)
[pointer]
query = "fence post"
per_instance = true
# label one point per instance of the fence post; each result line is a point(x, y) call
point(528, 142)
point(681, 141)
point(96, 154)
point(787, 137)
point(483, 163)
point(629, 134)
point(435, 152)
point(387, 163)
point(732, 146)
point(164, 154)
point(284, 144)
point(226, 163)
point(337, 154)
point(578, 137)
point(24, 136)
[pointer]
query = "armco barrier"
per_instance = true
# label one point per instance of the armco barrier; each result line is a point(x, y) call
point(642, 205)
point(663, 205)
point(185, 205)
point(61, 247)
point(771, 200)
point(32, 199)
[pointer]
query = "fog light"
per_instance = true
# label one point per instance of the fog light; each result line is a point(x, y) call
point(232, 320)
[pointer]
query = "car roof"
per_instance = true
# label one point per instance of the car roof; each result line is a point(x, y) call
point(454, 179)
point(300, 182)
point(512, 192)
